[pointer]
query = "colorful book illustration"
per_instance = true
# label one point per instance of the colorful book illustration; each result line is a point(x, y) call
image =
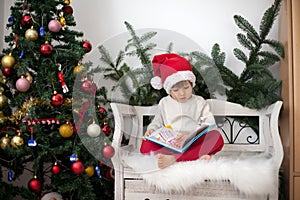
point(167, 137)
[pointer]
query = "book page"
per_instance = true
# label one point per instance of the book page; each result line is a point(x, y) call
point(192, 135)
point(165, 135)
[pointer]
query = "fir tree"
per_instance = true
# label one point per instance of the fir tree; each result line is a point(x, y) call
point(255, 87)
point(47, 106)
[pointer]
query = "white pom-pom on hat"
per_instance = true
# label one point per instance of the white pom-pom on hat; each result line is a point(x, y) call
point(156, 83)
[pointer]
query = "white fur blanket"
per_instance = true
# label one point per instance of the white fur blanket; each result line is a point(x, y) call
point(251, 176)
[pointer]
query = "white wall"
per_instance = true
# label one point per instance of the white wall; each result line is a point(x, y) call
point(203, 21)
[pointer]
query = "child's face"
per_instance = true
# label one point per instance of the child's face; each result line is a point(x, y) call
point(181, 91)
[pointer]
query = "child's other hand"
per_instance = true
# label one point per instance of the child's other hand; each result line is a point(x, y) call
point(180, 138)
point(148, 132)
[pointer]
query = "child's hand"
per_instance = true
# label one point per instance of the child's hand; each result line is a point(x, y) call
point(180, 138)
point(148, 132)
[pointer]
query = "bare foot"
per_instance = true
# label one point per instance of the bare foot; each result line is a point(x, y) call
point(205, 157)
point(164, 161)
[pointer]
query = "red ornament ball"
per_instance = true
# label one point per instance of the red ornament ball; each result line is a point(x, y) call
point(35, 185)
point(46, 49)
point(102, 110)
point(27, 20)
point(7, 71)
point(57, 99)
point(68, 9)
point(110, 173)
point(55, 169)
point(87, 45)
point(108, 151)
point(77, 167)
point(106, 130)
point(89, 87)
point(22, 84)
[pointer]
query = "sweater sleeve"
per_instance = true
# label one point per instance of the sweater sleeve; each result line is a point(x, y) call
point(206, 115)
point(157, 121)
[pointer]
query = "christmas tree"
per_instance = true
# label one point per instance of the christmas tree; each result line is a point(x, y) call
point(50, 126)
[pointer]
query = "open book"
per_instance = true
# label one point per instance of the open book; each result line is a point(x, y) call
point(166, 137)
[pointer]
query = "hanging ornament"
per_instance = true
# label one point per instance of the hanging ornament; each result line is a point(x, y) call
point(42, 31)
point(73, 157)
point(61, 79)
point(102, 110)
point(11, 20)
point(77, 167)
point(46, 49)
point(21, 54)
point(55, 169)
point(17, 140)
point(77, 69)
point(8, 61)
point(54, 25)
point(89, 86)
point(10, 175)
point(90, 171)
point(2, 118)
point(87, 45)
point(66, 130)
point(93, 130)
point(28, 77)
point(57, 99)
point(68, 2)
point(22, 84)
point(62, 21)
point(108, 151)
point(31, 34)
point(110, 173)
point(5, 142)
point(68, 10)
point(98, 171)
point(3, 99)
point(31, 143)
point(7, 71)
point(35, 185)
point(106, 130)
point(27, 20)
point(51, 196)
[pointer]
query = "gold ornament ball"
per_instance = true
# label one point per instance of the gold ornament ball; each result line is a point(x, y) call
point(3, 100)
point(68, 2)
point(8, 61)
point(66, 130)
point(31, 34)
point(90, 171)
point(4, 142)
point(77, 69)
point(16, 141)
point(62, 21)
point(28, 77)
point(2, 117)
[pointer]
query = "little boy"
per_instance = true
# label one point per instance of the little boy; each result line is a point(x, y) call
point(182, 110)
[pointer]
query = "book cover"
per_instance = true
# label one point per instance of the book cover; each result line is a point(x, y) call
point(167, 137)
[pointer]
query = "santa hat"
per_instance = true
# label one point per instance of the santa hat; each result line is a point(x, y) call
point(170, 69)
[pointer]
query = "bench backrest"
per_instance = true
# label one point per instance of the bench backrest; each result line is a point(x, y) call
point(238, 136)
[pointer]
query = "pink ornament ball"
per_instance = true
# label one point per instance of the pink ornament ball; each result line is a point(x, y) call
point(54, 25)
point(22, 85)
point(108, 151)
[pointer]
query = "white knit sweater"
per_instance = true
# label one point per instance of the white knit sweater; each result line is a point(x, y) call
point(183, 117)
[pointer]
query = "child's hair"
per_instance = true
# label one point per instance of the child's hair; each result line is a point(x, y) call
point(182, 83)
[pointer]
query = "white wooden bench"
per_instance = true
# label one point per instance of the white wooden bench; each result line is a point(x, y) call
point(129, 129)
